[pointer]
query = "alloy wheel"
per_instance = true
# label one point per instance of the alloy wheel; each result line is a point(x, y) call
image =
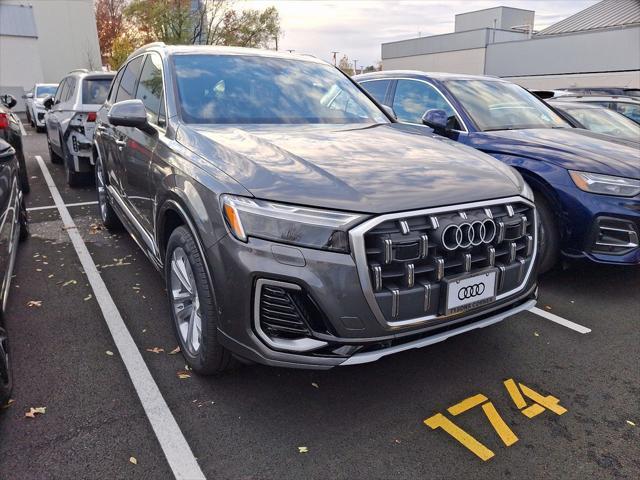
point(185, 302)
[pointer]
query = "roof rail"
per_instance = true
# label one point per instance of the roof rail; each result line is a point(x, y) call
point(144, 47)
point(80, 70)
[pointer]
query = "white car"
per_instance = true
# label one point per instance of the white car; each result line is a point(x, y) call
point(70, 122)
point(35, 108)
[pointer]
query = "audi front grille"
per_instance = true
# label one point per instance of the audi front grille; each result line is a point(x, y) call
point(404, 260)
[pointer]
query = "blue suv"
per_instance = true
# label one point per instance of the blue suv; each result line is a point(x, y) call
point(587, 187)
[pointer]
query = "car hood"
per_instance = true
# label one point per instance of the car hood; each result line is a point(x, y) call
point(372, 169)
point(571, 148)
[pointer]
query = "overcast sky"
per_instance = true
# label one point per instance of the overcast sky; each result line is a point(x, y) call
point(358, 27)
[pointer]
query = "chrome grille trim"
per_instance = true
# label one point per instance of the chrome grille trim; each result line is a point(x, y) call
point(358, 252)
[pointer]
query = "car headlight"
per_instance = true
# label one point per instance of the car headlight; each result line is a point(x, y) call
point(526, 191)
point(296, 225)
point(605, 184)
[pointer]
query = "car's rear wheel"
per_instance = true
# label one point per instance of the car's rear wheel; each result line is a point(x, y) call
point(193, 306)
point(24, 221)
point(24, 176)
point(53, 156)
point(5, 367)
point(107, 213)
point(549, 236)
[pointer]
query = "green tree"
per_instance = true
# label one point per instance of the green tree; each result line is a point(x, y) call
point(122, 46)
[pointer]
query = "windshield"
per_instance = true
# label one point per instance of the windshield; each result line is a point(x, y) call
point(94, 90)
point(263, 90)
point(602, 120)
point(44, 90)
point(502, 106)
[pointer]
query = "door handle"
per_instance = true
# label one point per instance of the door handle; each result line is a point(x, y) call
point(121, 144)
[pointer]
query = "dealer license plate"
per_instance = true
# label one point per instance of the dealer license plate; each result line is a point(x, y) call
point(470, 291)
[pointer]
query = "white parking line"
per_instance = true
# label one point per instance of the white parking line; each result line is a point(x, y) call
point(174, 445)
point(49, 207)
point(559, 320)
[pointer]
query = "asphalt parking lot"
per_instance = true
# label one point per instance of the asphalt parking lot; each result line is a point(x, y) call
point(356, 422)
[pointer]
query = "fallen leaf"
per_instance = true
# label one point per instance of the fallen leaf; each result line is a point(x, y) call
point(109, 352)
point(37, 410)
point(88, 297)
point(303, 450)
point(10, 402)
point(183, 374)
point(155, 350)
point(628, 421)
point(315, 385)
point(175, 350)
point(536, 334)
point(547, 307)
point(397, 441)
point(133, 460)
point(95, 228)
point(69, 282)
point(34, 303)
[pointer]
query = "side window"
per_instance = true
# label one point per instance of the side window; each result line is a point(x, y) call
point(71, 88)
point(127, 88)
point(114, 86)
point(150, 89)
point(629, 110)
point(414, 98)
point(377, 88)
point(61, 89)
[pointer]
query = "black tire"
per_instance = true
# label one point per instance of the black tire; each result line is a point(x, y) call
point(548, 234)
point(53, 156)
point(39, 129)
point(24, 222)
point(74, 179)
point(29, 121)
point(211, 357)
point(23, 174)
point(107, 214)
point(6, 380)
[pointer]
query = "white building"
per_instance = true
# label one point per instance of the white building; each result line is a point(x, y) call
point(599, 46)
point(42, 40)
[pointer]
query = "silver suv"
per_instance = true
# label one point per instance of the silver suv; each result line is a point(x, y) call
point(70, 122)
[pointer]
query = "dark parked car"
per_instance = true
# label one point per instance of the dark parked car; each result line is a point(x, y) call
point(627, 92)
point(295, 223)
point(599, 119)
point(70, 122)
point(587, 189)
point(627, 106)
point(11, 131)
point(13, 227)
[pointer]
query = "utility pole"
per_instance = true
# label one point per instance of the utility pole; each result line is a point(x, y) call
point(335, 63)
point(355, 66)
point(290, 50)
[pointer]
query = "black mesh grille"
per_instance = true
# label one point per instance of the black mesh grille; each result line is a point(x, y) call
point(280, 316)
point(408, 259)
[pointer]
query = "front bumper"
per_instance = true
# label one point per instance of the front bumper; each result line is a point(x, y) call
point(352, 334)
point(586, 214)
point(38, 116)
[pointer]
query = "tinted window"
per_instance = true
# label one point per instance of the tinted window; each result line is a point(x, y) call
point(94, 90)
point(150, 86)
point(61, 89)
point(127, 88)
point(114, 86)
point(71, 89)
point(255, 89)
point(377, 88)
point(629, 110)
point(414, 98)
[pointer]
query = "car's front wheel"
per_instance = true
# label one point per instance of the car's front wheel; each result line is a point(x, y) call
point(5, 369)
point(193, 307)
point(53, 156)
point(549, 236)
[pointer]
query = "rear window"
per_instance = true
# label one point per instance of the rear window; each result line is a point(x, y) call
point(95, 90)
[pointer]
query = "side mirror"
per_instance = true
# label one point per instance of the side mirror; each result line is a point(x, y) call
point(436, 119)
point(8, 101)
point(28, 95)
point(48, 102)
point(390, 111)
point(129, 113)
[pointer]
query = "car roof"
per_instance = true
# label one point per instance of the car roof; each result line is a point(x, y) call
point(94, 74)
point(221, 50)
point(419, 73)
point(45, 85)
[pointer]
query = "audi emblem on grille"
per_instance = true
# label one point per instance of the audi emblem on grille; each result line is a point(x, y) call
point(471, 291)
point(468, 234)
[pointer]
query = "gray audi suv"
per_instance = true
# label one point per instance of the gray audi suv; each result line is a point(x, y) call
point(295, 223)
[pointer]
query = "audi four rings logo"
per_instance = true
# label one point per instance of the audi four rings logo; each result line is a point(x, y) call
point(465, 235)
point(471, 291)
